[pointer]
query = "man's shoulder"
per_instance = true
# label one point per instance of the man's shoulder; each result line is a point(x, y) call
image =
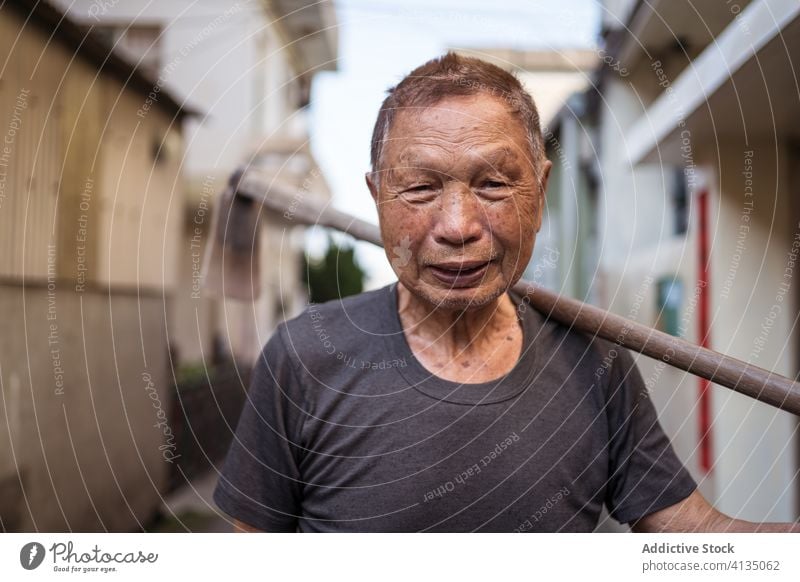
point(354, 310)
point(337, 325)
point(590, 347)
point(566, 341)
point(581, 354)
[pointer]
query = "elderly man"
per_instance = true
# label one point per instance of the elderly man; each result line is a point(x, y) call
point(442, 402)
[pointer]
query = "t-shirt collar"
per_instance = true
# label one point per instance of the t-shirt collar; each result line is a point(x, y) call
point(422, 380)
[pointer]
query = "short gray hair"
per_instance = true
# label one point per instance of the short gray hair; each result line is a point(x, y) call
point(452, 75)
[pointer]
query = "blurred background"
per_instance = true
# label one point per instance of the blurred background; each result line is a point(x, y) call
point(673, 129)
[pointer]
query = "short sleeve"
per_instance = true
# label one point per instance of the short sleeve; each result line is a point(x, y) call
point(260, 481)
point(645, 474)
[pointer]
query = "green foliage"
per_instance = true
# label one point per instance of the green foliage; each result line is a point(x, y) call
point(193, 373)
point(335, 276)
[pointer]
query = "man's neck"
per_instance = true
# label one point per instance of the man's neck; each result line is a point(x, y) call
point(453, 332)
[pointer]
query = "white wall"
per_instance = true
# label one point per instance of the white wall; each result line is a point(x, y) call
point(755, 444)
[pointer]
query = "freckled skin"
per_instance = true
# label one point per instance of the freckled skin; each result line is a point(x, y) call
point(457, 183)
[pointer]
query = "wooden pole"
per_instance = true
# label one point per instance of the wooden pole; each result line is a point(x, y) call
point(737, 375)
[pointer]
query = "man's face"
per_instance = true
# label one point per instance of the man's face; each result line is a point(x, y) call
point(458, 200)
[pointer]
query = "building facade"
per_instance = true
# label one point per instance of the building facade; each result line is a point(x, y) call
point(687, 144)
point(89, 238)
point(247, 67)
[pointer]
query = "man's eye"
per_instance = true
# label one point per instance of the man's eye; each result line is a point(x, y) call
point(419, 188)
point(493, 184)
point(419, 194)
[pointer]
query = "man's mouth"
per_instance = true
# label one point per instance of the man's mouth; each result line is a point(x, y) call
point(460, 273)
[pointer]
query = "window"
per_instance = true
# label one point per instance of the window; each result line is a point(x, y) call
point(680, 203)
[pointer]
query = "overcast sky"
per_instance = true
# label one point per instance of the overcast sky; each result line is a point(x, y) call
point(380, 41)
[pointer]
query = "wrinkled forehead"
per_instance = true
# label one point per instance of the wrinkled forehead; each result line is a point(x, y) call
point(425, 137)
point(482, 127)
point(419, 155)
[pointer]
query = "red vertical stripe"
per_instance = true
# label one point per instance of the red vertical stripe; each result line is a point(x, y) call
point(703, 326)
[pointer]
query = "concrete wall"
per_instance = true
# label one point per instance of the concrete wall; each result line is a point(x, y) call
point(754, 309)
point(77, 415)
point(88, 232)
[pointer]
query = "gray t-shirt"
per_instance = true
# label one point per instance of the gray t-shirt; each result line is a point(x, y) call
point(344, 430)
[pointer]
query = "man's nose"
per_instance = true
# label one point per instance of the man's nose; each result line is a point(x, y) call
point(460, 216)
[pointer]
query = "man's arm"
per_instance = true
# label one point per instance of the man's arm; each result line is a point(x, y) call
point(695, 514)
point(259, 484)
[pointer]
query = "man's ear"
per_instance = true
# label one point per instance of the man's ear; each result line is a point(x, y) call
point(372, 185)
point(546, 167)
